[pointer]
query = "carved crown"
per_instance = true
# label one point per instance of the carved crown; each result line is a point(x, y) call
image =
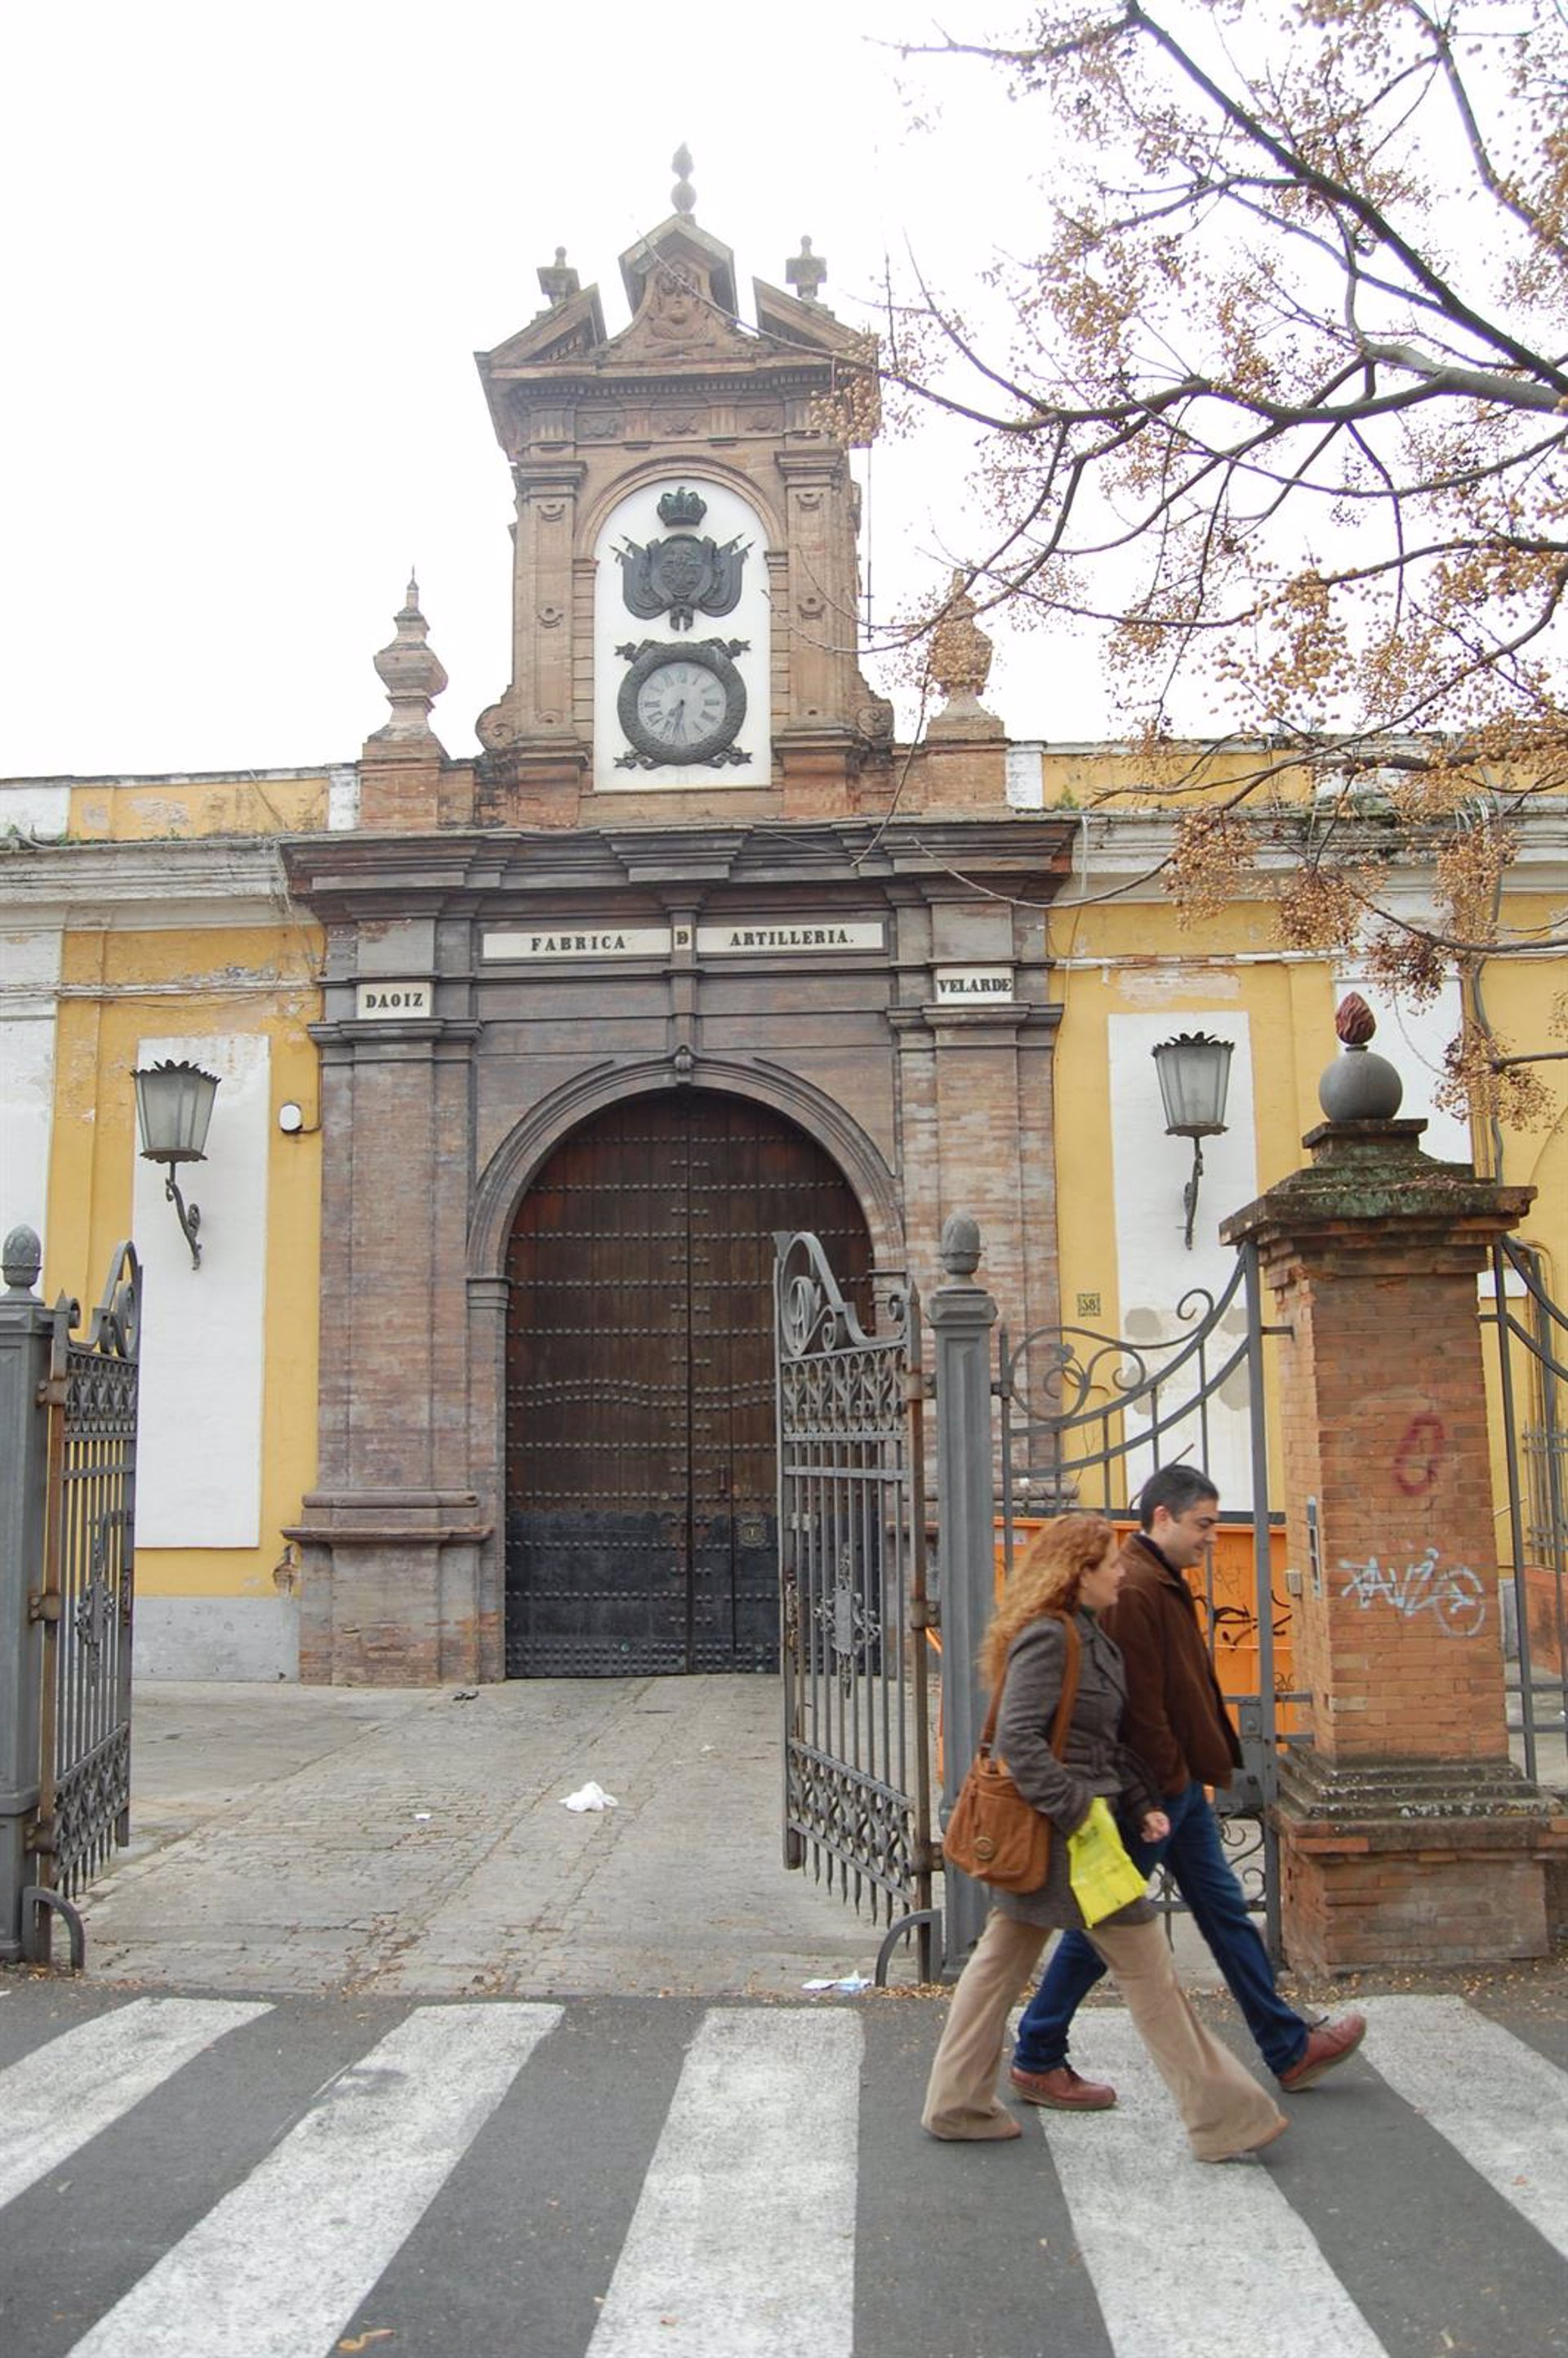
point(682, 507)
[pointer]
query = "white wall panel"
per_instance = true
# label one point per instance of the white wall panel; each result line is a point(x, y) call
point(199, 1461)
point(1154, 1270)
point(29, 969)
point(636, 518)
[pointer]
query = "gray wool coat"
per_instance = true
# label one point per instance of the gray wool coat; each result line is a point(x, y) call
point(1096, 1760)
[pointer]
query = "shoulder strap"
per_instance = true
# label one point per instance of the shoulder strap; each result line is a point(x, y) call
point(1063, 1720)
point(1069, 1695)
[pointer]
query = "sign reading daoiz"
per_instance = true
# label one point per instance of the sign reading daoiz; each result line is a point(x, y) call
point(393, 1002)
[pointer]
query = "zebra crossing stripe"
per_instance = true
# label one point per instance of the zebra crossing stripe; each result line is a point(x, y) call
point(65, 2094)
point(279, 2265)
point(742, 2244)
point(1498, 2104)
point(1253, 2276)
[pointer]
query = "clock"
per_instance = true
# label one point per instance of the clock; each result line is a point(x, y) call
point(682, 704)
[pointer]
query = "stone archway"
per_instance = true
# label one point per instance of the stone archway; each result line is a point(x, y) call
point(641, 1534)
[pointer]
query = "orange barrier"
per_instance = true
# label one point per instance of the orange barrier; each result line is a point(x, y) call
point(1235, 1611)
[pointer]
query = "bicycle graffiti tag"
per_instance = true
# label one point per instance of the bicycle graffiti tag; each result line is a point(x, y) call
point(1452, 1595)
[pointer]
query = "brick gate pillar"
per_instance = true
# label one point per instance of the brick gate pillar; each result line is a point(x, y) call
point(1407, 1835)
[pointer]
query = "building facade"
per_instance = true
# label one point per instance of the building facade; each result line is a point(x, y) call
point(525, 1059)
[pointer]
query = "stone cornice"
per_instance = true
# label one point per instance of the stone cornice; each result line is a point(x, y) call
point(208, 882)
point(1115, 850)
point(340, 875)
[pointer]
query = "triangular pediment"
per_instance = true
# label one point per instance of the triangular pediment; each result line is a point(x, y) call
point(565, 332)
point(681, 285)
point(680, 245)
point(795, 323)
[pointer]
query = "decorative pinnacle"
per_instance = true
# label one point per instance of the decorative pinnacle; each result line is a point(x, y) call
point(805, 272)
point(411, 673)
point(1354, 1021)
point(558, 281)
point(683, 196)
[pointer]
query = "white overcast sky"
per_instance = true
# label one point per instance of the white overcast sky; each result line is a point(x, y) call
point(248, 255)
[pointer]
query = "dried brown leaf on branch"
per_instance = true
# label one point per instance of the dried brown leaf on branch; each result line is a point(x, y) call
point(1281, 407)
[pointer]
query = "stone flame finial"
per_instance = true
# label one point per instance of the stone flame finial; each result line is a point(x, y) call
point(413, 676)
point(1354, 1021)
point(1358, 1085)
point(683, 196)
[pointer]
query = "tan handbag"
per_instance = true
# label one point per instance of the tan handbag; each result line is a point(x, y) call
point(993, 1834)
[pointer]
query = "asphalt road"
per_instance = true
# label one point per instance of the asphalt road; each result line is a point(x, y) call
point(244, 2177)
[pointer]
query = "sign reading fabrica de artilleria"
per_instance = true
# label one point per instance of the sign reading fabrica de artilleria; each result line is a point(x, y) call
point(735, 937)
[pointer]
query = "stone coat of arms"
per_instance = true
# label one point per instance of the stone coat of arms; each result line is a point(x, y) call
point(683, 576)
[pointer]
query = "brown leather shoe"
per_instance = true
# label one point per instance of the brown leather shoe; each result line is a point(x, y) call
point(1329, 2044)
point(1062, 2091)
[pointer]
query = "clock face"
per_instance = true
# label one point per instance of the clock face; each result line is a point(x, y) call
point(682, 705)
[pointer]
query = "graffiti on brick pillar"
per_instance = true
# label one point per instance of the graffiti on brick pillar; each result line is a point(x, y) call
point(1419, 1454)
point(1451, 1593)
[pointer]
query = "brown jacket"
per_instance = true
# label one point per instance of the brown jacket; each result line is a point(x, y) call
point(1176, 1717)
point(1094, 1761)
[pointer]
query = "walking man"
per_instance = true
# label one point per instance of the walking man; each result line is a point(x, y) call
point(1176, 1720)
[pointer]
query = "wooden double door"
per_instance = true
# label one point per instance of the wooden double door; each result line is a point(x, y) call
point(641, 1531)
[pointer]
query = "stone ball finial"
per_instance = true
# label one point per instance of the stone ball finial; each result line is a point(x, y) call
point(805, 272)
point(959, 1252)
point(21, 1258)
point(558, 281)
point(1360, 1086)
point(683, 196)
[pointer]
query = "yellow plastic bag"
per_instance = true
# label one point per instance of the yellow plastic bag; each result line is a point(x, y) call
point(1102, 1876)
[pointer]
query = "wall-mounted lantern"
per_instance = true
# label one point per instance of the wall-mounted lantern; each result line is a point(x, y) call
point(1195, 1074)
point(174, 1106)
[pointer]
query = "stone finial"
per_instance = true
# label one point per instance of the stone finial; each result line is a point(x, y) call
point(960, 659)
point(683, 196)
point(413, 676)
point(1358, 1085)
point(805, 272)
point(959, 1251)
point(21, 1258)
point(558, 281)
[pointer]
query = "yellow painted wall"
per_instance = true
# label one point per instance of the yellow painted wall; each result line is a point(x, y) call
point(147, 810)
point(119, 988)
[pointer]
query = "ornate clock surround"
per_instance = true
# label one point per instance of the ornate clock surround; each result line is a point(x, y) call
point(683, 397)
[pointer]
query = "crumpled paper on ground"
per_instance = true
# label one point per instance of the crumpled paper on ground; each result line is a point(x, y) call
point(590, 1797)
point(852, 1985)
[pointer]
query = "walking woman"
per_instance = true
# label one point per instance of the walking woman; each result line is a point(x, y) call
point(1072, 1568)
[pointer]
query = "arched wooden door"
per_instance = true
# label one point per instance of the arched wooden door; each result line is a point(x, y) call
point(640, 1528)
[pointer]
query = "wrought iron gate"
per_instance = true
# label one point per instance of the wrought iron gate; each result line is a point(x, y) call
point(1086, 1418)
point(1531, 1333)
point(77, 1489)
point(852, 1560)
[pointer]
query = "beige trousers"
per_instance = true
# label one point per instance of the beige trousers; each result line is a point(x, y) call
point(1224, 2110)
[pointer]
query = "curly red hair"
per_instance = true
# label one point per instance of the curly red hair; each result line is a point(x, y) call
point(1045, 1579)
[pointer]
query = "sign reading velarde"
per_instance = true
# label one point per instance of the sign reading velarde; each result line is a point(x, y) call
point(394, 1002)
point(973, 986)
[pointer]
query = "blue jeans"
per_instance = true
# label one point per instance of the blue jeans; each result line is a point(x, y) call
point(1197, 1864)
